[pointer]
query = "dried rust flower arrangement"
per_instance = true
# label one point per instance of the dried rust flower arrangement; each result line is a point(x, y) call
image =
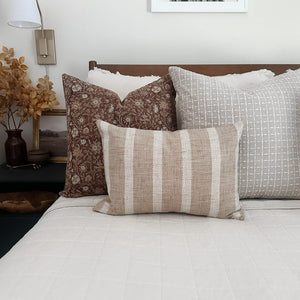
point(18, 97)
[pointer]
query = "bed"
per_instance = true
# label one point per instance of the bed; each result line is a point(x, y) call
point(75, 253)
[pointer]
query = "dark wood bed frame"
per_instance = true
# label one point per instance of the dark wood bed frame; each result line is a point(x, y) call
point(210, 70)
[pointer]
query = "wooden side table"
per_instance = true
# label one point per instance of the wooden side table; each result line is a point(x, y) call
point(13, 226)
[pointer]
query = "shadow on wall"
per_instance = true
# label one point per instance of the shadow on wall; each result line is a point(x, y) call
point(148, 5)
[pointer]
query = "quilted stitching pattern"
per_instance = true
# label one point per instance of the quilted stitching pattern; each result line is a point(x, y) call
point(74, 253)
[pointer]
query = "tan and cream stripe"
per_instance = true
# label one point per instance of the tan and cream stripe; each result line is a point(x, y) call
point(188, 171)
point(157, 171)
point(128, 176)
point(215, 172)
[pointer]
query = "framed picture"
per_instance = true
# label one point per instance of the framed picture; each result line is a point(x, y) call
point(199, 5)
point(50, 134)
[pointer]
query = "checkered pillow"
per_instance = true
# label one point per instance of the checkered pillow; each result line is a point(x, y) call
point(270, 146)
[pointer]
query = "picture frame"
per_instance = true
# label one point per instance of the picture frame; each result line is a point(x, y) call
point(51, 136)
point(199, 6)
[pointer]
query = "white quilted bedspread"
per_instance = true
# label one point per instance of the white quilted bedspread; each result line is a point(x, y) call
point(75, 253)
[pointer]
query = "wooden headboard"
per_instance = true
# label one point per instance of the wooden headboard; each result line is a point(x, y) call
point(210, 70)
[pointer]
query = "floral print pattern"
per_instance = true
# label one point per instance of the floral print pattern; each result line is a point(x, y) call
point(150, 107)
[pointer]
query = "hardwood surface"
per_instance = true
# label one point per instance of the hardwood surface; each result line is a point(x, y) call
point(210, 70)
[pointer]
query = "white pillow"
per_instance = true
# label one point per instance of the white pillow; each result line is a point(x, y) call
point(124, 84)
point(247, 80)
point(120, 84)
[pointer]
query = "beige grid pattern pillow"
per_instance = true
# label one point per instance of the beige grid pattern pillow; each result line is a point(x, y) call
point(270, 145)
point(188, 171)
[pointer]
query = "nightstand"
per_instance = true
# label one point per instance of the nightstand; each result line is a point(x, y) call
point(50, 177)
point(13, 226)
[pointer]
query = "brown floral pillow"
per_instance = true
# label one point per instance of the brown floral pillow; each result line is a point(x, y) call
point(150, 107)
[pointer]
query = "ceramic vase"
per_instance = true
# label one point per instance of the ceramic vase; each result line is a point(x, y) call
point(15, 148)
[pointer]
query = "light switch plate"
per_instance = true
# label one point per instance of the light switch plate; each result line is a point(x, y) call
point(51, 57)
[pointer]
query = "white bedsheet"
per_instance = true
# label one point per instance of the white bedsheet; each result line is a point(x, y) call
point(75, 253)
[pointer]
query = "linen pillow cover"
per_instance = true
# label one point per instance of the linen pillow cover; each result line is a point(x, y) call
point(150, 107)
point(120, 84)
point(188, 171)
point(270, 144)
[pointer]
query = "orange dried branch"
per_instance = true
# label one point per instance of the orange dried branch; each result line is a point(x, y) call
point(18, 97)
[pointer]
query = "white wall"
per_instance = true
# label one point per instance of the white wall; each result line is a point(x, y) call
point(127, 32)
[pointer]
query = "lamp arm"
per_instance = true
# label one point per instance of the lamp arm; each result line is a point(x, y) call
point(45, 44)
point(41, 15)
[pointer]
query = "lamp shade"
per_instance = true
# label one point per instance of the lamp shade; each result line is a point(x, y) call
point(24, 14)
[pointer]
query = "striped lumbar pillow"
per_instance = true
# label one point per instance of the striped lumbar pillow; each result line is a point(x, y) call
point(189, 171)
